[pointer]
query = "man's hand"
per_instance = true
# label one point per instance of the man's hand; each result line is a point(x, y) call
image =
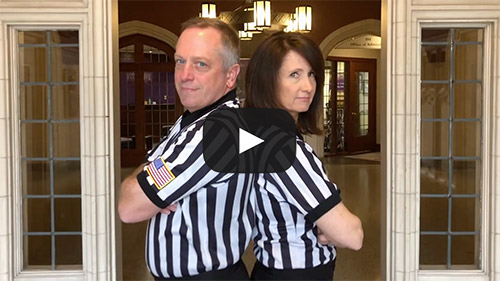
point(322, 238)
point(169, 209)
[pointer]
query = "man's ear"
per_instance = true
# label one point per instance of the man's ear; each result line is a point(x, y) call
point(232, 75)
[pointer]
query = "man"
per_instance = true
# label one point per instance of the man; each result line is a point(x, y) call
point(211, 227)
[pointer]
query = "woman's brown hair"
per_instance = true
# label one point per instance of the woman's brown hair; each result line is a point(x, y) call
point(261, 81)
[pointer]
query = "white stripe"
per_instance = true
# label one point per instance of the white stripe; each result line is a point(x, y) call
point(162, 245)
point(151, 251)
point(221, 194)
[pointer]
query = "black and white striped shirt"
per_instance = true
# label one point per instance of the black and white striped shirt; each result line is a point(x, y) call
point(287, 205)
point(212, 225)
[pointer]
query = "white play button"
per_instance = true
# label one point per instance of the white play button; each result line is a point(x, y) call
point(247, 141)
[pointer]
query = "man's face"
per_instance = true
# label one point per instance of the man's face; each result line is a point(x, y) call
point(200, 79)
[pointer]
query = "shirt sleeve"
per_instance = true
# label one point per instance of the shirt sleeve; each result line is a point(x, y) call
point(179, 170)
point(306, 186)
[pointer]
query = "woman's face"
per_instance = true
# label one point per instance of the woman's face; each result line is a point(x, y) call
point(296, 84)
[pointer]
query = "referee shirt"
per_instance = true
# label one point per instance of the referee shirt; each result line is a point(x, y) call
point(212, 225)
point(287, 205)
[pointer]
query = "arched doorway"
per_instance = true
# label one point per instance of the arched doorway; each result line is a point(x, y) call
point(149, 104)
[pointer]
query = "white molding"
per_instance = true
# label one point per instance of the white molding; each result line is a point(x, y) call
point(148, 29)
point(362, 27)
point(97, 136)
point(403, 25)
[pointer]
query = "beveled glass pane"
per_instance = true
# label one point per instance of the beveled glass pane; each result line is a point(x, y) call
point(433, 214)
point(433, 250)
point(434, 177)
point(69, 251)
point(34, 140)
point(468, 60)
point(469, 35)
point(36, 214)
point(466, 138)
point(65, 64)
point(65, 102)
point(68, 214)
point(434, 140)
point(34, 103)
point(464, 212)
point(127, 54)
point(154, 55)
point(466, 176)
point(435, 100)
point(64, 37)
point(127, 88)
point(361, 117)
point(435, 63)
point(436, 35)
point(33, 64)
point(464, 251)
point(36, 177)
point(37, 252)
point(468, 102)
point(32, 37)
point(66, 139)
point(67, 177)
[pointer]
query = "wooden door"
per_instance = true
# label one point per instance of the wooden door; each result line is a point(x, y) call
point(362, 105)
point(149, 104)
point(350, 109)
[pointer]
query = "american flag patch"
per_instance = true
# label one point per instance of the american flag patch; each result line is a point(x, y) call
point(159, 172)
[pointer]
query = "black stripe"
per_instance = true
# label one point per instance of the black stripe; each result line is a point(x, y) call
point(193, 208)
point(156, 248)
point(266, 222)
point(184, 250)
point(168, 245)
point(282, 231)
point(226, 224)
point(210, 220)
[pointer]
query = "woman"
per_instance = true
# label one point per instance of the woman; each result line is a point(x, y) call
point(300, 216)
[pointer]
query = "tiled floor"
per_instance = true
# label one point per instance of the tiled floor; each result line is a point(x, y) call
point(359, 181)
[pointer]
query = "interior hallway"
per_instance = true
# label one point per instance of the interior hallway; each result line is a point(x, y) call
point(359, 181)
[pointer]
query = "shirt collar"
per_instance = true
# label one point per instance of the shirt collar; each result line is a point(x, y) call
point(190, 117)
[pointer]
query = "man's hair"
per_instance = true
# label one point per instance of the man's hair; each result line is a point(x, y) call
point(229, 38)
point(261, 84)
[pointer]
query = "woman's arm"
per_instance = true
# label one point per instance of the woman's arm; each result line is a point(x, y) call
point(341, 227)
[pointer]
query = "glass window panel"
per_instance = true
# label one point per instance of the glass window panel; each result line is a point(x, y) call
point(37, 251)
point(36, 214)
point(435, 100)
point(33, 64)
point(464, 250)
point(154, 55)
point(466, 176)
point(469, 35)
point(65, 257)
point(434, 177)
point(67, 214)
point(435, 63)
point(433, 250)
point(64, 64)
point(464, 212)
point(466, 138)
point(32, 37)
point(34, 140)
point(436, 35)
point(127, 54)
point(65, 102)
point(64, 37)
point(67, 177)
point(468, 102)
point(34, 103)
point(433, 214)
point(66, 139)
point(435, 139)
point(468, 60)
point(36, 177)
